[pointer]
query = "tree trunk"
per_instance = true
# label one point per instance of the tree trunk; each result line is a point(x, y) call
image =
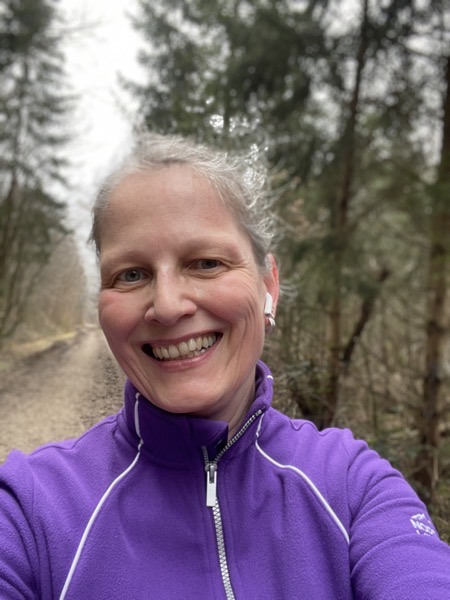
point(431, 413)
point(339, 226)
point(366, 310)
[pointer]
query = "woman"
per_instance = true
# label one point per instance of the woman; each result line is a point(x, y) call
point(198, 489)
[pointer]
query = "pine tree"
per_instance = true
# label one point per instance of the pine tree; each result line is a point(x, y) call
point(32, 111)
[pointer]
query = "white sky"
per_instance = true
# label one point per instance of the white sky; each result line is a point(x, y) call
point(100, 44)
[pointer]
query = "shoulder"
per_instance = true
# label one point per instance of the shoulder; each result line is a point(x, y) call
point(351, 476)
point(61, 466)
point(46, 499)
point(332, 457)
point(370, 496)
point(300, 442)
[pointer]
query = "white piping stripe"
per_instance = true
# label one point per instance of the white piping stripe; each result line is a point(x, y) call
point(136, 416)
point(95, 513)
point(305, 477)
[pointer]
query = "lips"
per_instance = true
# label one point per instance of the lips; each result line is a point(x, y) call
point(188, 348)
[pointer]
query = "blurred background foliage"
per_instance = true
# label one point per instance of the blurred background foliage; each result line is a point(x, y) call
point(34, 105)
point(348, 105)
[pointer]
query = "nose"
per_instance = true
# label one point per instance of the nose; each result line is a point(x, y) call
point(171, 299)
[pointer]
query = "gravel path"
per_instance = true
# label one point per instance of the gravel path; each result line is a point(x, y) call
point(57, 393)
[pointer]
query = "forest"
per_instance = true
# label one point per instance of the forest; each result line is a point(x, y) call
point(347, 104)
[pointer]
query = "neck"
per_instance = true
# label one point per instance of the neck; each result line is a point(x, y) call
point(238, 418)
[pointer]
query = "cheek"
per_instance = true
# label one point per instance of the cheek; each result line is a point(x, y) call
point(241, 301)
point(115, 313)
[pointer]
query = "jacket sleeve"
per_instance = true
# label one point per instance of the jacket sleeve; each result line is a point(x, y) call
point(395, 551)
point(17, 546)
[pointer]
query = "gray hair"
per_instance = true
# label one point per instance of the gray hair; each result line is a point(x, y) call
point(241, 183)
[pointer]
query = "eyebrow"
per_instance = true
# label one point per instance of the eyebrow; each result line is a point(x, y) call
point(210, 244)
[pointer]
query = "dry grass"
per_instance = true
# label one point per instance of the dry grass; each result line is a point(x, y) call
point(11, 352)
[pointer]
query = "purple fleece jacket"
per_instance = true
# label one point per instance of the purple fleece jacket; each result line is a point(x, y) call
point(121, 513)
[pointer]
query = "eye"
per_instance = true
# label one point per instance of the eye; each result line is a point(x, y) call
point(132, 276)
point(206, 264)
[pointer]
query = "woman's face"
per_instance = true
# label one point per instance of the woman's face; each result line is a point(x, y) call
point(182, 299)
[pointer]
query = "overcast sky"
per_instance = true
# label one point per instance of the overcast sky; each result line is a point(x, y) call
point(101, 44)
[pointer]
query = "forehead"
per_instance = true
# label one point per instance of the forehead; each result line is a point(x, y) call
point(171, 184)
point(173, 200)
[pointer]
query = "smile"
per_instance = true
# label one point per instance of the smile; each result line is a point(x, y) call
point(187, 349)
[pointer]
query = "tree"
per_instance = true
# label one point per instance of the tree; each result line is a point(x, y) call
point(58, 303)
point(32, 111)
point(208, 66)
point(433, 409)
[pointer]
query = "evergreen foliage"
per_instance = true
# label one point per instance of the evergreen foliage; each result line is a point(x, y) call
point(32, 112)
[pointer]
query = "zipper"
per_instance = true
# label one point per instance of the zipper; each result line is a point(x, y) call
point(213, 502)
point(211, 465)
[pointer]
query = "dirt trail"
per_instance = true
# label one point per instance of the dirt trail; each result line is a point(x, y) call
point(57, 393)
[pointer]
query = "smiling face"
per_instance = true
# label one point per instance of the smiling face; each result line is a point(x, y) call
point(182, 298)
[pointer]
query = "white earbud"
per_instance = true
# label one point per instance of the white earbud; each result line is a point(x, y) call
point(268, 314)
point(268, 305)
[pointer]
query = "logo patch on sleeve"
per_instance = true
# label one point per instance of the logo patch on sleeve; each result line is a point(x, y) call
point(422, 524)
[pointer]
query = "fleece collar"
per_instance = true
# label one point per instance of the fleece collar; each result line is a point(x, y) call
point(177, 439)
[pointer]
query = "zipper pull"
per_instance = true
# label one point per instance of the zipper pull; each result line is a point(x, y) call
point(211, 483)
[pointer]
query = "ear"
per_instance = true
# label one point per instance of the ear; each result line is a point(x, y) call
point(271, 281)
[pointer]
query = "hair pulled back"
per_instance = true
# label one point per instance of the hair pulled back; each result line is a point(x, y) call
point(241, 183)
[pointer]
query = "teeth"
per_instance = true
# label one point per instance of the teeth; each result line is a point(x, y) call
point(173, 352)
point(187, 349)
